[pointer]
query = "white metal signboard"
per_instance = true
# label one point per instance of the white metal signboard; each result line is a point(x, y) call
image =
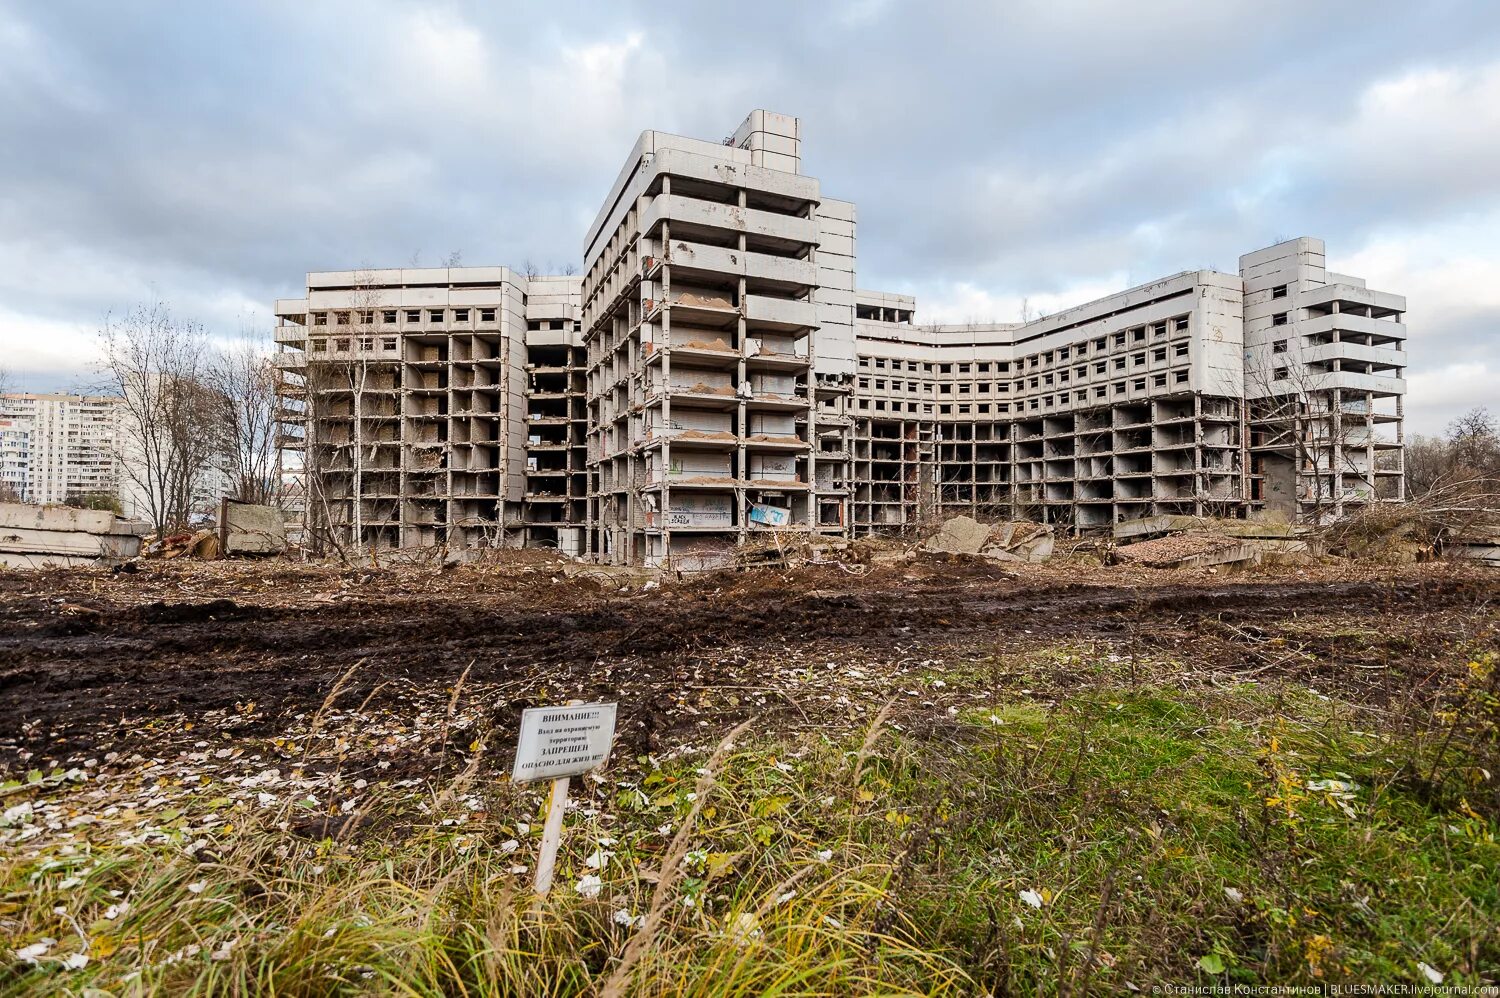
point(563, 741)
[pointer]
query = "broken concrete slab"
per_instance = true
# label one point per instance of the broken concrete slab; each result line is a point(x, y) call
point(958, 535)
point(249, 529)
point(1485, 550)
point(1191, 550)
point(60, 536)
point(1015, 541)
point(1020, 540)
point(1259, 528)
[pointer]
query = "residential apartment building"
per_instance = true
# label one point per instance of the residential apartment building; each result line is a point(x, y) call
point(715, 375)
point(54, 446)
point(15, 458)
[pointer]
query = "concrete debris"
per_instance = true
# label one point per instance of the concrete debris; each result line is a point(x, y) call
point(200, 544)
point(60, 536)
point(1016, 541)
point(1265, 527)
point(1199, 549)
point(1485, 550)
point(245, 528)
point(704, 300)
point(1463, 520)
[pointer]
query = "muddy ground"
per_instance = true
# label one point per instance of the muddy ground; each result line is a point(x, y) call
point(93, 661)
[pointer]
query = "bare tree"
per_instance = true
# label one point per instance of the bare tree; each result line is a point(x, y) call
point(155, 364)
point(1428, 461)
point(1290, 420)
point(1469, 452)
point(1474, 441)
point(337, 384)
point(1293, 416)
point(244, 383)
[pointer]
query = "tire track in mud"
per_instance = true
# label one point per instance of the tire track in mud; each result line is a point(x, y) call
point(88, 671)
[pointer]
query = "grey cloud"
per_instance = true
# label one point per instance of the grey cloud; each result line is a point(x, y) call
point(213, 153)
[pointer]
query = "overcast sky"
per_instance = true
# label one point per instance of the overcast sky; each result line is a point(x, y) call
point(209, 154)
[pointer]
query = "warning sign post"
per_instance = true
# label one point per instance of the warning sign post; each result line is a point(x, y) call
point(558, 743)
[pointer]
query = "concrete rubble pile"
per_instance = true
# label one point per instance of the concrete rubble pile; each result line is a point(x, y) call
point(1018, 540)
point(64, 537)
point(1201, 542)
point(244, 529)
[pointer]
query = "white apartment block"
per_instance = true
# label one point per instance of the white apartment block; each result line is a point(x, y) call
point(54, 447)
point(15, 458)
point(715, 376)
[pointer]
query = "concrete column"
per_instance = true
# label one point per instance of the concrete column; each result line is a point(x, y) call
point(742, 429)
point(1336, 459)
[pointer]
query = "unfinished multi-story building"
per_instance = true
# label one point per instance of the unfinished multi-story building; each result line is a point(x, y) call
point(704, 308)
point(1325, 364)
point(715, 375)
point(1125, 407)
point(435, 407)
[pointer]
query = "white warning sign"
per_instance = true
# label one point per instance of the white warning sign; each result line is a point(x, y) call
point(563, 741)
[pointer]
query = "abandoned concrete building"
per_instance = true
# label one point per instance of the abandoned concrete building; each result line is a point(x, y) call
point(714, 373)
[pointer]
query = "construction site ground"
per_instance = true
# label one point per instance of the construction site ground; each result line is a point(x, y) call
point(125, 694)
point(94, 661)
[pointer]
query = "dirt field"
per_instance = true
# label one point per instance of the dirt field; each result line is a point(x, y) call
point(93, 661)
point(253, 778)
